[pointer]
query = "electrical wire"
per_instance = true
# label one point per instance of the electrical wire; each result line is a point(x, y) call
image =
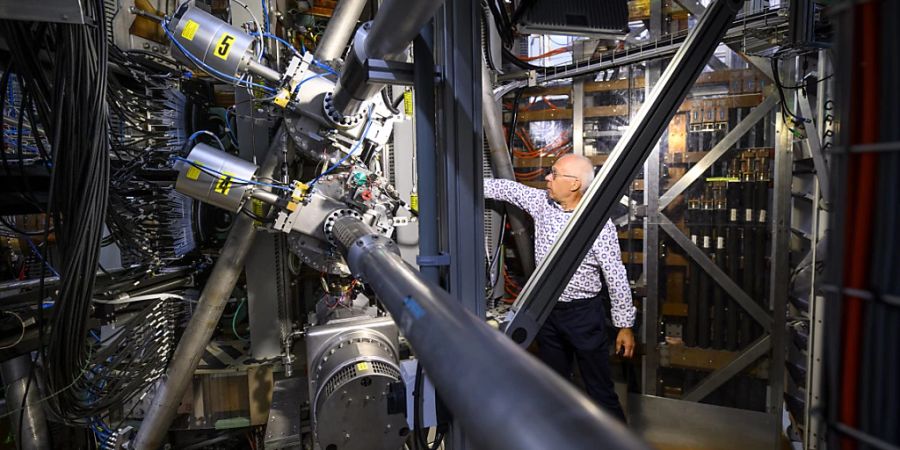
point(353, 149)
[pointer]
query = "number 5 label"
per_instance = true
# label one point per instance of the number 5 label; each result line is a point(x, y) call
point(223, 47)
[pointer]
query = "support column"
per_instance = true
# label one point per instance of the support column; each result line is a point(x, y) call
point(30, 424)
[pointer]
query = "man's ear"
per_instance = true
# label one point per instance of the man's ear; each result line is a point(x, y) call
point(576, 187)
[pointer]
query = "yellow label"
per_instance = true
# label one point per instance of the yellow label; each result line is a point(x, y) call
point(282, 98)
point(193, 172)
point(223, 46)
point(408, 103)
point(190, 29)
point(223, 186)
point(414, 201)
point(362, 367)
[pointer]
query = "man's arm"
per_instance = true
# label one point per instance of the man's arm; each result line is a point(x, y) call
point(622, 310)
point(527, 198)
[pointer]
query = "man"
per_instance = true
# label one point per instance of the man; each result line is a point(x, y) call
point(575, 328)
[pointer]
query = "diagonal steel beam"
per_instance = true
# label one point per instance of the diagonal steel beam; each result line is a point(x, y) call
point(762, 64)
point(815, 144)
point(552, 276)
point(712, 382)
point(731, 288)
point(719, 150)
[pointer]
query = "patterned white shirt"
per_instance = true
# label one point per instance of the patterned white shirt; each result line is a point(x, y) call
point(604, 256)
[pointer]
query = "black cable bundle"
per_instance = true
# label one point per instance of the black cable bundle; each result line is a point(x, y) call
point(71, 101)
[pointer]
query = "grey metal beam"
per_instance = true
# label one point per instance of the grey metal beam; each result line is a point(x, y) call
point(731, 288)
point(650, 330)
point(340, 28)
point(461, 163)
point(29, 424)
point(779, 265)
point(426, 150)
point(503, 168)
point(815, 144)
point(697, 10)
point(719, 150)
point(221, 282)
point(578, 116)
point(712, 382)
point(544, 287)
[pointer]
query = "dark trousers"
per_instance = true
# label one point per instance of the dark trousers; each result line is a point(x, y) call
point(577, 330)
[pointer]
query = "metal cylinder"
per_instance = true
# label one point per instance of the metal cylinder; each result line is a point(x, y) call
point(215, 177)
point(203, 323)
point(502, 396)
point(225, 48)
point(396, 24)
point(352, 377)
point(33, 433)
point(493, 130)
point(339, 29)
point(385, 37)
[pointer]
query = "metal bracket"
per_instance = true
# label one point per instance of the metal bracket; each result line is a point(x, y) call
point(441, 259)
point(393, 72)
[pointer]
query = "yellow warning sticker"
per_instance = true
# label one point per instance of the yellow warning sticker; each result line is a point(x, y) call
point(362, 367)
point(223, 46)
point(223, 186)
point(190, 29)
point(414, 202)
point(193, 172)
point(408, 103)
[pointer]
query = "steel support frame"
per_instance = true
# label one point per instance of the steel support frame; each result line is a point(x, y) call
point(460, 161)
point(543, 289)
point(651, 329)
point(762, 64)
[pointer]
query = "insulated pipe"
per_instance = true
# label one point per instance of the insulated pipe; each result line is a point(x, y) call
point(340, 28)
point(200, 329)
point(502, 396)
point(33, 433)
point(493, 129)
point(395, 25)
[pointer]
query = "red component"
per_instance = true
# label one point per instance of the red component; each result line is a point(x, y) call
point(861, 184)
point(366, 195)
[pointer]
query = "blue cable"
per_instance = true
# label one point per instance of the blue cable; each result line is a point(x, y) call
point(325, 67)
point(265, 9)
point(352, 150)
point(204, 66)
point(239, 180)
point(297, 87)
point(41, 257)
point(210, 133)
point(228, 128)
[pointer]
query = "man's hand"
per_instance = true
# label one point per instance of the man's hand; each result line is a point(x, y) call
point(625, 342)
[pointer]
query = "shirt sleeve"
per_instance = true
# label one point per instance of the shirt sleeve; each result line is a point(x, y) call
point(527, 198)
point(610, 256)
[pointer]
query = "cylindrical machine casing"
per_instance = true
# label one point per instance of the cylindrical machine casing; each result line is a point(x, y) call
point(216, 43)
point(215, 177)
point(354, 377)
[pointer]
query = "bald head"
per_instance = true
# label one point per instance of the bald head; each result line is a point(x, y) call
point(578, 165)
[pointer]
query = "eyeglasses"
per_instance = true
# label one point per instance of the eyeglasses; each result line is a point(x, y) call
point(552, 173)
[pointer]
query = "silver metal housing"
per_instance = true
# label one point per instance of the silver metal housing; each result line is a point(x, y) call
point(352, 362)
point(223, 47)
point(218, 185)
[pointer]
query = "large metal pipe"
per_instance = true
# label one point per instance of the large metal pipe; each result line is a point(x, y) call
point(395, 25)
point(203, 323)
point(340, 28)
point(502, 396)
point(492, 120)
point(33, 432)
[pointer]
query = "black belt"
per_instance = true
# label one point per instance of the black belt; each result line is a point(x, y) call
point(574, 303)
